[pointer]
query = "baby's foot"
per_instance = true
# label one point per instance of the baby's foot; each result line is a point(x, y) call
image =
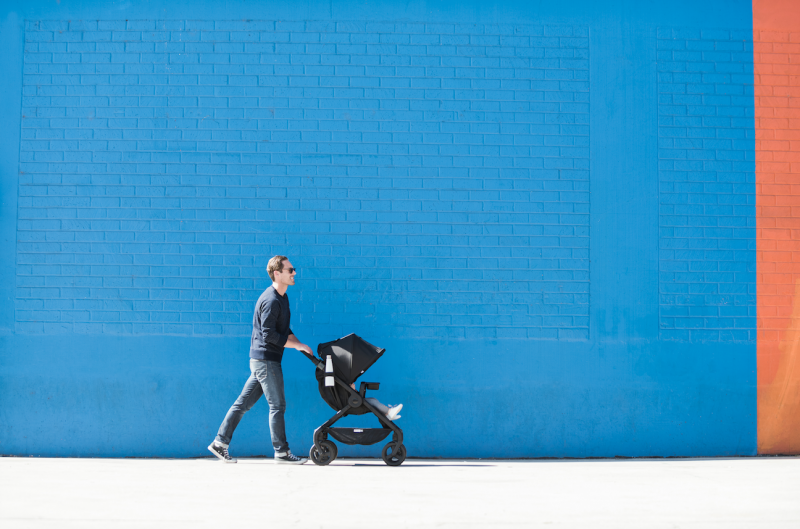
point(394, 412)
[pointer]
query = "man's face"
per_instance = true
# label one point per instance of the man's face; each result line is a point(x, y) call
point(286, 276)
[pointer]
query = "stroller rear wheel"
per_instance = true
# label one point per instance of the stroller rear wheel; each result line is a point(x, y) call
point(331, 446)
point(324, 453)
point(394, 455)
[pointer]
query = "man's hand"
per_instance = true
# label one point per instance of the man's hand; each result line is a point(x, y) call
point(294, 343)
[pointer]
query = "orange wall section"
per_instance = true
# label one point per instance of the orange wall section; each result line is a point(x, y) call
point(776, 58)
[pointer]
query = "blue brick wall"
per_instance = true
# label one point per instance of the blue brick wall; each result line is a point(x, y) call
point(426, 179)
point(706, 162)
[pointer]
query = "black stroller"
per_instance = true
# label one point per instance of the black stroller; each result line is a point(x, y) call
point(350, 357)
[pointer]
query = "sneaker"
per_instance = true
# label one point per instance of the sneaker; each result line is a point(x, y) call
point(290, 459)
point(394, 412)
point(221, 452)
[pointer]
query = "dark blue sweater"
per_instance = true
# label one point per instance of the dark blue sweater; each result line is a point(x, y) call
point(270, 326)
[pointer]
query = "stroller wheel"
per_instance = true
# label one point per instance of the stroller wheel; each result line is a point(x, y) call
point(394, 455)
point(332, 448)
point(324, 453)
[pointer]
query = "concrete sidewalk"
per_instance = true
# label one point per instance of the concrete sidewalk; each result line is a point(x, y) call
point(117, 493)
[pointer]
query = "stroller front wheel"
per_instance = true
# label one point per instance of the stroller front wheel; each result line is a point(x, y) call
point(324, 453)
point(393, 455)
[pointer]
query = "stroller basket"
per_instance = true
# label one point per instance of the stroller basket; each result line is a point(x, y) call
point(359, 436)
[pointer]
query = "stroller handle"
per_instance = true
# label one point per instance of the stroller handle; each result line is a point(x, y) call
point(317, 362)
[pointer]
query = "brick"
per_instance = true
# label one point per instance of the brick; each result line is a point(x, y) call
point(776, 196)
point(255, 108)
point(690, 189)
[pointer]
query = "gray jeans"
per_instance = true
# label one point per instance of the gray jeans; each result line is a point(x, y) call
point(384, 409)
point(266, 378)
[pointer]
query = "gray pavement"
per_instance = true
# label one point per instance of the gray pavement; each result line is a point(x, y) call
point(351, 493)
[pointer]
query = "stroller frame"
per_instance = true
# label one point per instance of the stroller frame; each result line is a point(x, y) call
point(324, 451)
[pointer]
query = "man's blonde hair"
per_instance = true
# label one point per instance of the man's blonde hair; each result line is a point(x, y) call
point(275, 265)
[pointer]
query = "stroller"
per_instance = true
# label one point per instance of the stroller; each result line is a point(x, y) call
point(350, 357)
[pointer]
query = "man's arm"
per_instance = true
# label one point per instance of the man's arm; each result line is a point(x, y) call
point(269, 321)
point(294, 343)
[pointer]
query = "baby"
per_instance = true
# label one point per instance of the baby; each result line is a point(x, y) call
point(392, 412)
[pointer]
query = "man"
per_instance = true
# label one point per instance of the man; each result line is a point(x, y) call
point(271, 333)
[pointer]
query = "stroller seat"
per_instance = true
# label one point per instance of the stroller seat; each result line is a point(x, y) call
point(351, 356)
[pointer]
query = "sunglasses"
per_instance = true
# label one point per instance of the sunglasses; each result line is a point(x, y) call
point(290, 270)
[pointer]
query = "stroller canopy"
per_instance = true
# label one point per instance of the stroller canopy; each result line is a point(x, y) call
point(351, 356)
